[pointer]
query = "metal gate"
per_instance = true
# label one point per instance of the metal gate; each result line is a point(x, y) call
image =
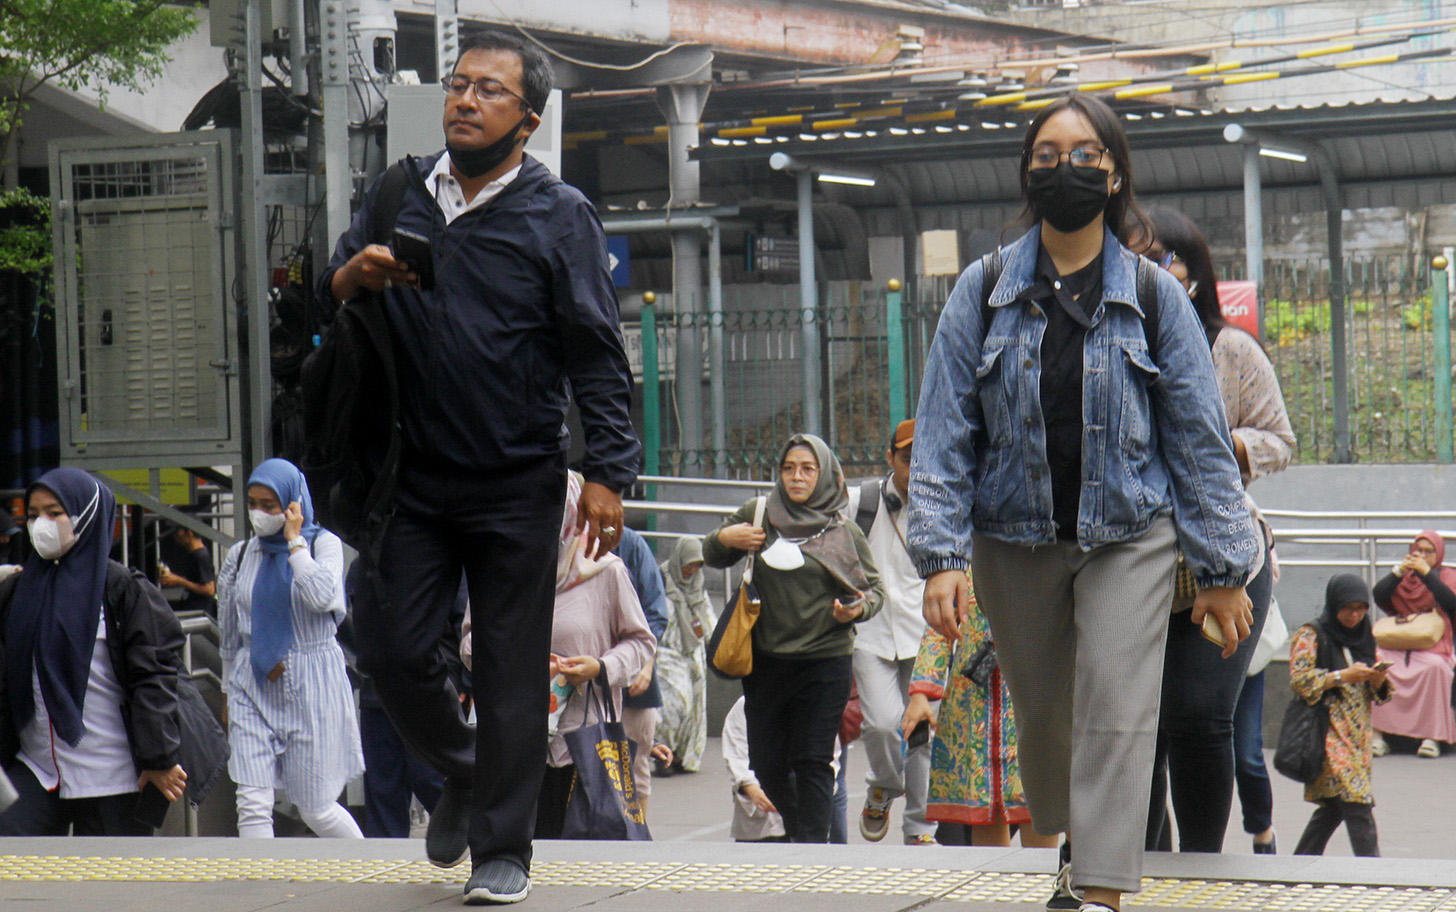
point(147, 345)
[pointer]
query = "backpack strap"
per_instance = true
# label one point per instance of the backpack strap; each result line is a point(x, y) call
point(990, 274)
point(869, 505)
point(1147, 296)
point(388, 200)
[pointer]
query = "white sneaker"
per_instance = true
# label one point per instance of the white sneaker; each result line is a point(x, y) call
point(1379, 747)
point(1429, 748)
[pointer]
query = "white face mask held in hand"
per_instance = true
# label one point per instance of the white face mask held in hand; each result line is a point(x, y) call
point(52, 538)
point(265, 523)
point(783, 555)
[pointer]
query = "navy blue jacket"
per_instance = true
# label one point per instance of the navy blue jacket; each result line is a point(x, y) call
point(523, 316)
point(647, 580)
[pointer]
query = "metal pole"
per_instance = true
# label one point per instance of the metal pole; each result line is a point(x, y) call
point(1339, 349)
point(808, 303)
point(1441, 326)
point(895, 342)
point(447, 35)
point(651, 407)
point(682, 104)
point(334, 98)
point(718, 397)
point(1254, 228)
point(258, 366)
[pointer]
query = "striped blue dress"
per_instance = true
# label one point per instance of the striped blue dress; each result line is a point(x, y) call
point(301, 731)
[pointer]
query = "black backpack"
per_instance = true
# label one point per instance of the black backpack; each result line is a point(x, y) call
point(351, 405)
point(1147, 295)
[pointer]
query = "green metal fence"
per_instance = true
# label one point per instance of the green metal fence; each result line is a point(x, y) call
point(873, 342)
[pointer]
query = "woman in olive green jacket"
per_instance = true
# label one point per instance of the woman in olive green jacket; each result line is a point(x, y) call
point(815, 578)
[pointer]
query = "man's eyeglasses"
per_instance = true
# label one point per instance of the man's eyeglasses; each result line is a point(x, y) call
point(1088, 156)
point(487, 91)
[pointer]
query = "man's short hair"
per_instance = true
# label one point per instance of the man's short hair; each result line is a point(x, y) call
point(537, 77)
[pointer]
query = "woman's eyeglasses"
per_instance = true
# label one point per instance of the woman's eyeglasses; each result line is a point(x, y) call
point(1081, 157)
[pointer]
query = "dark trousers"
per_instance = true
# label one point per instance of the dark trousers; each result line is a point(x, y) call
point(1196, 728)
point(37, 812)
point(793, 709)
point(551, 806)
point(1251, 774)
point(501, 531)
point(391, 776)
point(1359, 820)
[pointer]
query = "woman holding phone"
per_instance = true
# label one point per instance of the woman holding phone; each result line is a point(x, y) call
point(1073, 446)
point(816, 579)
point(1421, 707)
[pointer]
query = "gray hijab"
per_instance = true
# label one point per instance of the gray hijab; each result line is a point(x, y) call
point(817, 525)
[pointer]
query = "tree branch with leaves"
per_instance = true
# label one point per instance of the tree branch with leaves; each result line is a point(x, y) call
point(80, 44)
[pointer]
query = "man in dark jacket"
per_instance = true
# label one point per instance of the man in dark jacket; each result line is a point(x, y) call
point(520, 306)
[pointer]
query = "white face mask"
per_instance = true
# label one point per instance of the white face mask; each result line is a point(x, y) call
point(783, 555)
point(52, 538)
point(265, 523)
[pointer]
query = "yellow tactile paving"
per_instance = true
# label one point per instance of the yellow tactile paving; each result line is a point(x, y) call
point(949, 885)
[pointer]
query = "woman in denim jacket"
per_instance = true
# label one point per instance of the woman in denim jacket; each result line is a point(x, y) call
point(1066, 461)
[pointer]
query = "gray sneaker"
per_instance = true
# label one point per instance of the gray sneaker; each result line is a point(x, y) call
point(497, 882)
point(1064, 898)
point(447, 839)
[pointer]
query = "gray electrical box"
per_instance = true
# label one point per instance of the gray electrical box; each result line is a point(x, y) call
point(146, 342)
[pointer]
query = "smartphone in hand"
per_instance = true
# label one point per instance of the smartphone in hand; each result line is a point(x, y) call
point(1213, 630)
point(919, 735)
point(1381, 665)
point(151, 807)
point(414, 251)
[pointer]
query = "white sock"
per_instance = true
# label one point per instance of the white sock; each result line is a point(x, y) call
point(255, 812)
point(332, 822)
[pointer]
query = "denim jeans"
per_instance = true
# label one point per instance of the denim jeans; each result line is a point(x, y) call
point(1252, 775)
point(1196, 728)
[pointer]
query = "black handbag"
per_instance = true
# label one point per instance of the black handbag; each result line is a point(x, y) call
point(1301, 751)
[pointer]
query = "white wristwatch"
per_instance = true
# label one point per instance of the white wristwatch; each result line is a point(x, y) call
point(294, 544)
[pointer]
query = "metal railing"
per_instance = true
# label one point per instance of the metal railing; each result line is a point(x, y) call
point(1361, 546)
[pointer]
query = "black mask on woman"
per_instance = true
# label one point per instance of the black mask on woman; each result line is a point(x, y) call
point(1067, 197)
point(475, 162)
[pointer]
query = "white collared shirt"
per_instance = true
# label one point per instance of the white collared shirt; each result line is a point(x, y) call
point(895, 632)
point(101, 764)
point(451, 197)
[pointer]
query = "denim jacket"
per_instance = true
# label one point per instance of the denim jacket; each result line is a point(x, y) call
point(1155, 439)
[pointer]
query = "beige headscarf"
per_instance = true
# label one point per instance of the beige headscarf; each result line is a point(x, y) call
point(573, 566)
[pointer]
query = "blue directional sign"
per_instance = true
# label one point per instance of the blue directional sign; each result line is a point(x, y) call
point(620, 260)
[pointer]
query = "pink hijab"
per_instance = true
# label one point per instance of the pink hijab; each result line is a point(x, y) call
point(573, 565)
point(1411, 595)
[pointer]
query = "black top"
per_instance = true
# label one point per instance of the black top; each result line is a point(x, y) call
point(195, 567)
point(1068, 302)
point(1385, 588)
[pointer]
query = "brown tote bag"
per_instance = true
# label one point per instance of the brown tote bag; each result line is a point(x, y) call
point(730, 648)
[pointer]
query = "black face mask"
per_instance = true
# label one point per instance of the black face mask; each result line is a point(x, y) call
point(475, 162)
point(1067, 197)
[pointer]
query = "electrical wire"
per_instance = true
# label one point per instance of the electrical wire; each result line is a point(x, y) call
point(619, 67)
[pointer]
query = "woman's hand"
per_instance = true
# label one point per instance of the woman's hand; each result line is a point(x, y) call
point(760, 800)
point(947, 602)
point(579, 669)
point(643, 681)
point(662, 754)
point(172, 782)
point(1231, 606)
point(1416, 563)
point(741, 537)
point(292, 521)
point(916, 711)
point(844, 614)
point(1358, 673)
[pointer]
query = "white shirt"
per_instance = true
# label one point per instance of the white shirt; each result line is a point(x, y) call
point(101, 764)
point(451, 197)
point(895, 632)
